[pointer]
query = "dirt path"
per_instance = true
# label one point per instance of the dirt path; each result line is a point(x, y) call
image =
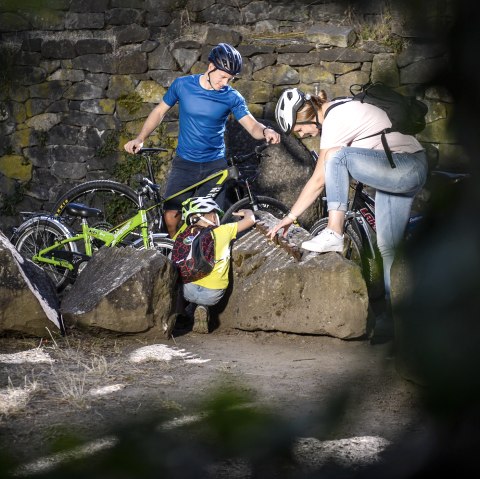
point(299, 378)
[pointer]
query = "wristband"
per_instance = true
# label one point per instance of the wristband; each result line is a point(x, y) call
point(292, 216)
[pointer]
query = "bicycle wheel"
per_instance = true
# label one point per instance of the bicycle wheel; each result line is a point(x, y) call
point(117, 201)
point(265, 203)
point(353, 250)
point(39, 233)
point(161, 243)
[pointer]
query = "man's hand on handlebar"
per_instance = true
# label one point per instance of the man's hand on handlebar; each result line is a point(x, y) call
point(133, 146)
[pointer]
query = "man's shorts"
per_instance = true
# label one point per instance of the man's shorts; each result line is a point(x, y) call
point(186, 173)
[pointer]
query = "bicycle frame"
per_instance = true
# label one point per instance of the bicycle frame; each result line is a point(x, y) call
point(231, 172)
point(108, 238)
point(118, 234)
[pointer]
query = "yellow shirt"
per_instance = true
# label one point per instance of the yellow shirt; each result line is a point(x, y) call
point(218, 278)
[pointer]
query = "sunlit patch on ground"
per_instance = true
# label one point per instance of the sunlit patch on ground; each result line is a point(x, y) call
point(312, 453)
point(161, 352)
point(105, 390)
point(47, 463)
point(30, 356)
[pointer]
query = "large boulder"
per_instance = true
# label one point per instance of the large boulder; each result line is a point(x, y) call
point(123, 290)
point(274, 289)
point(28, 299)
point(283, 171)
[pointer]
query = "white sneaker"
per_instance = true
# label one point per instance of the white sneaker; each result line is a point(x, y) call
point(326, 241)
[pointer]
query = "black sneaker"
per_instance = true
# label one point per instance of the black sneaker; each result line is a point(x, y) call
point(200, 320)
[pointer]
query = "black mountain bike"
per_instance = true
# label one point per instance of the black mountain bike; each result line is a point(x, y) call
point(118, 201)
point(360, 243)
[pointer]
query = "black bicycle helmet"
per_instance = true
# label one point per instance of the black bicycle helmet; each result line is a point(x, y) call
point(226, 58)
point(290, 101)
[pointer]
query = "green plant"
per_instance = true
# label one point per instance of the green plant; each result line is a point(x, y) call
point(379, 31)
point(132, 165)
point(10, 202)
point(131, 102)
point(110, 145)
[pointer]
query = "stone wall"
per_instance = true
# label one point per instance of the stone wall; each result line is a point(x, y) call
point(80, 76)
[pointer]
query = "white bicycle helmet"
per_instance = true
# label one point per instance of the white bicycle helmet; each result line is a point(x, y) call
point(193, 208)
point(290, 101)
point(226, 58)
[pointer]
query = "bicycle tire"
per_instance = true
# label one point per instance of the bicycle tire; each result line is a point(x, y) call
point(117, 201)
point(39, 234)
point(265, 203)
point(355, 251)
point(161, 243)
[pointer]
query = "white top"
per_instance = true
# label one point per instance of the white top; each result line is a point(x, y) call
point(350, 123)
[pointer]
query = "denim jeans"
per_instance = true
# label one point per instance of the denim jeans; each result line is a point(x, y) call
point(395, 190)
point(197, 294)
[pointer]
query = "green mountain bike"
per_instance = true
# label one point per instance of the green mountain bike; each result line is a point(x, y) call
point(61, 245)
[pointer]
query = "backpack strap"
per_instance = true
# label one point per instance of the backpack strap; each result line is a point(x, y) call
point(384, 144)
point(337, 103)
point(346, 99)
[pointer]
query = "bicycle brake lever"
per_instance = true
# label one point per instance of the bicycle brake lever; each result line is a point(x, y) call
point(260, 148)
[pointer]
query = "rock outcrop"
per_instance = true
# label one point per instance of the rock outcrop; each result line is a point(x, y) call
point(275, 286)
point(123, 290)
point(273, 291)
point(28, 299)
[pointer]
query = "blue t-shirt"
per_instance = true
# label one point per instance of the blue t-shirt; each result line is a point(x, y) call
point(203, 115)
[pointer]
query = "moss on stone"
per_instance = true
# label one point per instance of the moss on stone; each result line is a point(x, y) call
point(16, 167)
point(131, 102)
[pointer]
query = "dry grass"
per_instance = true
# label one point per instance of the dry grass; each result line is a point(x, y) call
point(13, 400)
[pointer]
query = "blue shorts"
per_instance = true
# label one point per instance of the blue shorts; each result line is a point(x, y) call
point(186, 173)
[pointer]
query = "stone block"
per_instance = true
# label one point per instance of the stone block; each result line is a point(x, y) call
point(123, 290)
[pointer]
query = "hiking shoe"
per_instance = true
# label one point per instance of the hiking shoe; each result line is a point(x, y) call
point(200, 320)
point(326, 241)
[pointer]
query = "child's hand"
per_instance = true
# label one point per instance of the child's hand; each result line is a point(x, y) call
point(247, 221)
point(243, 213)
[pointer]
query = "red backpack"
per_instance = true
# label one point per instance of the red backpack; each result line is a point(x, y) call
point(193, 253)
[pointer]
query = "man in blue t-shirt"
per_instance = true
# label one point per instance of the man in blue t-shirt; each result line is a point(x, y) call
point(205, 102)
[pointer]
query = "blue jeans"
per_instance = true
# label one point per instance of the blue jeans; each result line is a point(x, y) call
point(395, 190)
point(197, 294)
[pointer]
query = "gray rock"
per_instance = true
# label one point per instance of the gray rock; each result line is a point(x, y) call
point(28, 299)
point(123, 290)
point(322, 294)
point(289, 156)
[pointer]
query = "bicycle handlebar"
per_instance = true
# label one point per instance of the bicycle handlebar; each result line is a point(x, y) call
point(256, 153)
point(151, 150)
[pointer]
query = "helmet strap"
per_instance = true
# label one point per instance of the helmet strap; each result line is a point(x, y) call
point(208, 77)
point(207, 221)
point(317, 123)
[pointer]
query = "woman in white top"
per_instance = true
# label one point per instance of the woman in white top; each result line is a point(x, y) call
point(347, 149)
